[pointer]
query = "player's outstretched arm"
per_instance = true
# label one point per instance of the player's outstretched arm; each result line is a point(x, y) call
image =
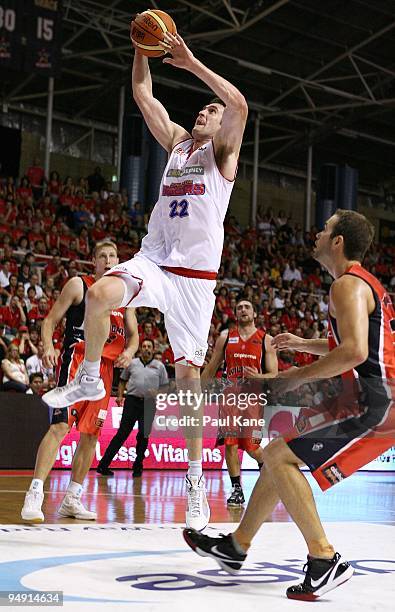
point(72, 294)
point(166, 132)
point(350, 305)
point(286, 340)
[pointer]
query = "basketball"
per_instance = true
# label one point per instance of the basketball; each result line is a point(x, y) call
point(148, 29)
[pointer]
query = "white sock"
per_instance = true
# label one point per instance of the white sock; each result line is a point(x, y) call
point(195, 468)
point(37, 485)
point(75, 488)
point(92, 368)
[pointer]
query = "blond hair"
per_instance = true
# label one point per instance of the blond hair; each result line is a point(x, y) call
point(102, 244)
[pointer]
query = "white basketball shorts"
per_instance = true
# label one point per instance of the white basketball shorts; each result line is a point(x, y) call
point(187, 304)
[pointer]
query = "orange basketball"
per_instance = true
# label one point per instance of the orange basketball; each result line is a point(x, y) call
point(148, 29)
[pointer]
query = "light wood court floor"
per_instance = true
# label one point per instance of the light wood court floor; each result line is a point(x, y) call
point(158, 497)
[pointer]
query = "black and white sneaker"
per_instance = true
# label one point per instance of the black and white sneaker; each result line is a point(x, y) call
point(322, 575)
point(237, 496)
point(221, 549)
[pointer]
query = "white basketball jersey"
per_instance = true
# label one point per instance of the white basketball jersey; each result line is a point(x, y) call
point(186, 226)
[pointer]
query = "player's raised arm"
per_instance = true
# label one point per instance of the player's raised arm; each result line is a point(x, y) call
point(227, 141)
point(166, 132)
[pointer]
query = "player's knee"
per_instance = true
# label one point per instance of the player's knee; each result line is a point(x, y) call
point(88, 439)
point(275, 453)
point(59, 430)
point(106, 294)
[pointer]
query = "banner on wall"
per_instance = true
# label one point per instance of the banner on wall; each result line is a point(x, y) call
point(171, 453)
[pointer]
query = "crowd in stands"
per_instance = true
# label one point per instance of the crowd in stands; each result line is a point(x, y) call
point(49, 226)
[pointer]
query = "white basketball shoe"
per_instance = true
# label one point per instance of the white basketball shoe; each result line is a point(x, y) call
point(198, 511)
point(31, 511)
point(82, 388)
point(73, 507)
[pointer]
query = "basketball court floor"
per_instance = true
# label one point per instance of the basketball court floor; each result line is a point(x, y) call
point(134, 555)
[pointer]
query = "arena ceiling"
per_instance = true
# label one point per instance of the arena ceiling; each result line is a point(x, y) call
point(316, 72)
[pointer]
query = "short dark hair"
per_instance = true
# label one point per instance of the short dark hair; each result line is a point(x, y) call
point(357, 232)
point(246, 300)
point(148, 340)
point(34, 375)
point(218, 101)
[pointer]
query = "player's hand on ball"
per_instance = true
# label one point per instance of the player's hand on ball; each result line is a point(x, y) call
point(181, 55)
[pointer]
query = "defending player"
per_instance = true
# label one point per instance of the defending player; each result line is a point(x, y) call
point(362, 323)
point(176, 268)
point(248, 353)
point(88, 416)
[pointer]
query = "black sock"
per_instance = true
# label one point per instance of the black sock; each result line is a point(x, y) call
point(235, 480)
point(260, 465)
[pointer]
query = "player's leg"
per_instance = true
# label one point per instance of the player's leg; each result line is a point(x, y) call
point(108, 293)
point(105, 295)
point(257, 454)
point(295, 493)
point(128, 420)
point(45, 459)
point(188, 386)
point(233, 464)
point(72, 505)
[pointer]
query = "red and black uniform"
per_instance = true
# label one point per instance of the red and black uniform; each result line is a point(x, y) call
point(348, 439)
point(88, 416)
point(239, 354)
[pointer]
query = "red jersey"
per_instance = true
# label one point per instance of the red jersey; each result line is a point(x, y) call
point(241, 353)
point(380, 363)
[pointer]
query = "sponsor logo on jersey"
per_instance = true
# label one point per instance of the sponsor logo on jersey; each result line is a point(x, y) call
point(179, 172)
point(333, 474)
point(233, 340)
point(317, 446)
point(244, 356)
point(184, 188)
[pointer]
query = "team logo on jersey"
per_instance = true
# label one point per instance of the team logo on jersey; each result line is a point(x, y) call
point(233, 340)
point(178, 172)
point(317, 447)
point(185, 188)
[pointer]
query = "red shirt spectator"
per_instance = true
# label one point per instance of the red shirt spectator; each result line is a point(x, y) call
point(35, 174)
point(24, 193)
point(13, 315)
point(168, 356)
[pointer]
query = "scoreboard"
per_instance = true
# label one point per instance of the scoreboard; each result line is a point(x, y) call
point(30, 35)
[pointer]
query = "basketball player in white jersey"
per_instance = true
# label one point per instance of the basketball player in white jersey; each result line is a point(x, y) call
point(176, 268)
